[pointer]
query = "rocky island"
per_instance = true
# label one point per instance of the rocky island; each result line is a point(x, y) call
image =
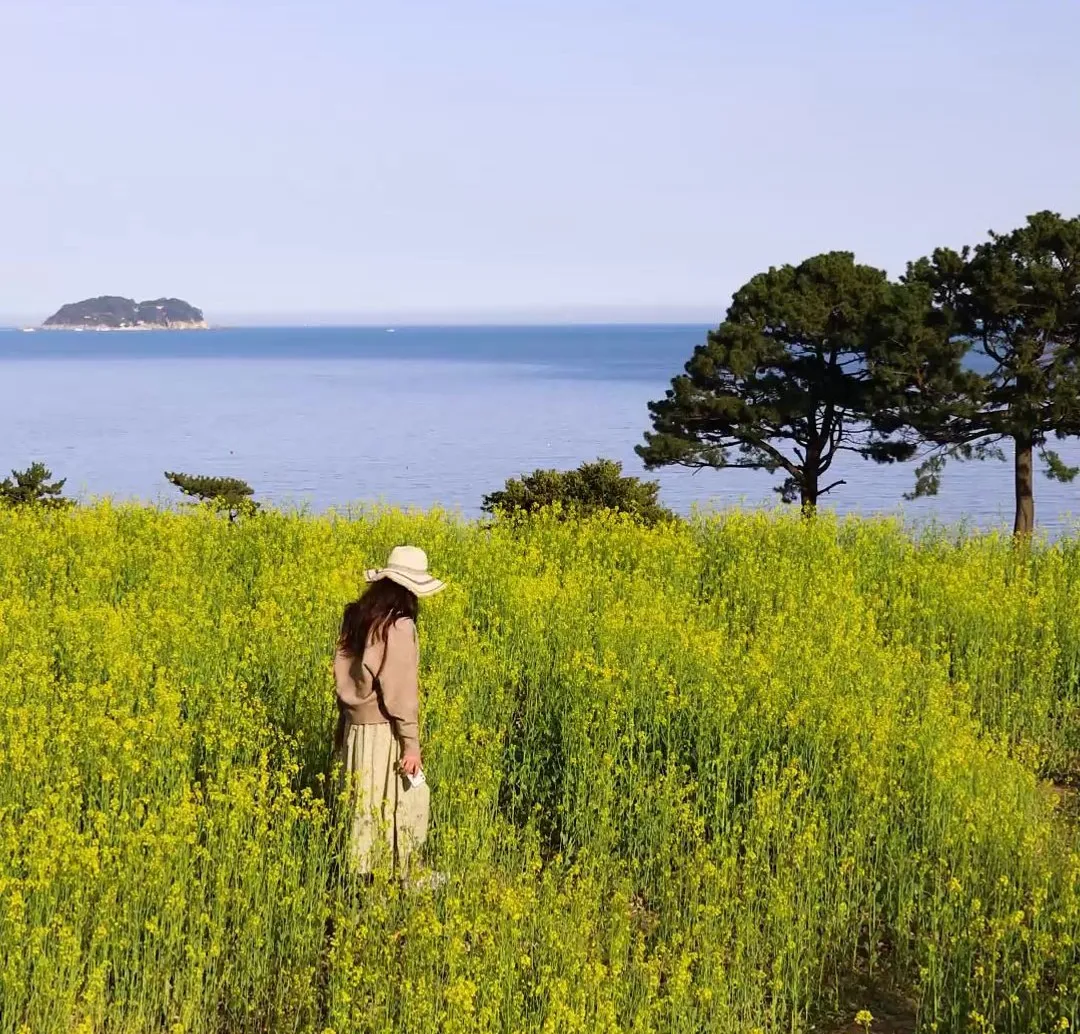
point(113, 313)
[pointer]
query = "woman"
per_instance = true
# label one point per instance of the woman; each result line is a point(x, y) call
point(375, 672)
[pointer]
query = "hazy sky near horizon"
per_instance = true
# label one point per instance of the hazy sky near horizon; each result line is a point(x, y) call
point(539, 159)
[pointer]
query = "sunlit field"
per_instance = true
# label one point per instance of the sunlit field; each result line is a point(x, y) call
point(738, 775)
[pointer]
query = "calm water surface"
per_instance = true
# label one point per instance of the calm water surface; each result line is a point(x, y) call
point(327, 416)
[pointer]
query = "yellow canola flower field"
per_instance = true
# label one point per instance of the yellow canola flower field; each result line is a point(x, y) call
point(704, 777)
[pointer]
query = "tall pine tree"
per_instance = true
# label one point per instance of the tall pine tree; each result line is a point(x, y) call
point(789, 380)
point(1014, 304)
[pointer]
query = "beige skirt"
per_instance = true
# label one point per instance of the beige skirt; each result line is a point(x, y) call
point(389, 815)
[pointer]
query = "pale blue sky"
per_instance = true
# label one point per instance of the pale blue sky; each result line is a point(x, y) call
point(472, 159)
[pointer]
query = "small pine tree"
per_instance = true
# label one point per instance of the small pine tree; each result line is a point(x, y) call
point(32, 487)
point(600, 485)
point(226, 495)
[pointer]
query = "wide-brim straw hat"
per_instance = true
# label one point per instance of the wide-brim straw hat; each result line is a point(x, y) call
point(407, 566)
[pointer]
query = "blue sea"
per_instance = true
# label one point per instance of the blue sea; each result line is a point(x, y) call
point(326, 417)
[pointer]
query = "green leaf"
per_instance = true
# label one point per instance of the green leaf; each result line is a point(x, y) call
point(927, 477)
point(1056, 468)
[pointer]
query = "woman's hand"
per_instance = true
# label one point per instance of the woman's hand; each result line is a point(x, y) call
point(410, 764)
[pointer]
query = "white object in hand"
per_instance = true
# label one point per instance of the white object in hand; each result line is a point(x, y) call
point(416, 780)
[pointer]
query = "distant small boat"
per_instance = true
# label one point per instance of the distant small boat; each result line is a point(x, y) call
point(390, 330)
point(29, 330)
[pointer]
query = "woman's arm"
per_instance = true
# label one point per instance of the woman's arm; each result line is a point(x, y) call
point(345, 692)
point(399, 681)
point(343, 680)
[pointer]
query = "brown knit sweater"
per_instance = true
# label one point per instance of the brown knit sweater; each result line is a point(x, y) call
point(382, 686)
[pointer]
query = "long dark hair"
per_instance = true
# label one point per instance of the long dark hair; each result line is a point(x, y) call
point(368, 618)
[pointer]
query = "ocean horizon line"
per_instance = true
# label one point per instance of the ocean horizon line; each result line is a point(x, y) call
point(505, 316)
point(20, 325)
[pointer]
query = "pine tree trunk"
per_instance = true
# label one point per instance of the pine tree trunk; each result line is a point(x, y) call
point(808, 492)
point(1024, 524)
